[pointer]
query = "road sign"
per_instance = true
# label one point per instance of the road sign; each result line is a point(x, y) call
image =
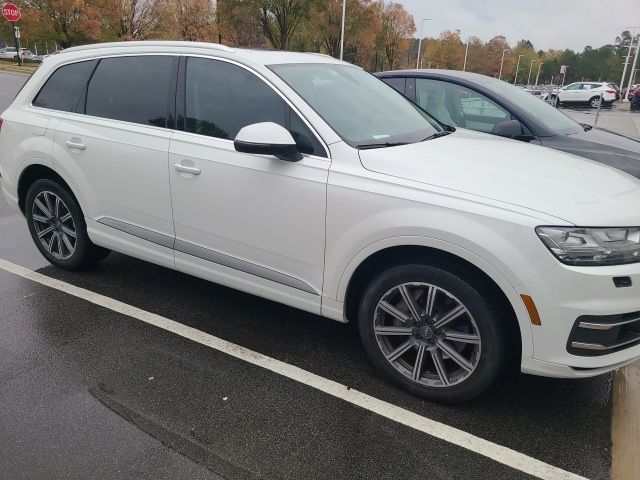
point(11, 12)
point(16, 31)
point(563, 69)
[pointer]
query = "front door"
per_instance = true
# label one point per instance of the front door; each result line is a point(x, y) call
point(254, 222)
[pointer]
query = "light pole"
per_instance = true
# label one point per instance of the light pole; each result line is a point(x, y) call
point(344, 14)
point(420, 41)
point(502, 63)
point(538, 75)
point(530, 70)
point(515, 78)
point(633, 69)
point(466, 52)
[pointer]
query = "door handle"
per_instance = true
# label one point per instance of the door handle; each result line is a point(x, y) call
point(75, 145)
point(185, 169)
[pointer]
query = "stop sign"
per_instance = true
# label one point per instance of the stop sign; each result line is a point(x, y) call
point(11, 12)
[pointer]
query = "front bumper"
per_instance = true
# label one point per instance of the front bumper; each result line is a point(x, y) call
point(562, 295)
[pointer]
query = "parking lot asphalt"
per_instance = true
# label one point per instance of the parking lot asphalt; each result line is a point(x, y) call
point(87, 392)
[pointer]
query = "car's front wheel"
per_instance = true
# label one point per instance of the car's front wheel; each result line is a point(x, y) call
point(431, 332)
point(57, 226)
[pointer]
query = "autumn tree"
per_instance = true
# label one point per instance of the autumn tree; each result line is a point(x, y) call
point(192, 20)
point(477, 57)
point(496, 47)
point(396, 27)
point(131, 19)
point(447, 51)
point(239, 23)
point(65, 22)
point(279, 19)
point(363, 23)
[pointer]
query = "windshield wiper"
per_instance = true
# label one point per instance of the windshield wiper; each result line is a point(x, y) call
point(586, 127)
point(437, 135)
point(368, 146)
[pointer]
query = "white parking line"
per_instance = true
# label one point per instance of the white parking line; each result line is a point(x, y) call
point(499, 453)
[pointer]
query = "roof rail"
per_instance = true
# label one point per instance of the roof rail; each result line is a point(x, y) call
point(149, 43)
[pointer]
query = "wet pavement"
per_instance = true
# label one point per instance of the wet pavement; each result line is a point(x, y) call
point(89, 393)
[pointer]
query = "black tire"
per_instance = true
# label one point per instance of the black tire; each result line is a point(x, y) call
point(555, 101)
point(594, 102)
point(85, 253)
point(490, 353)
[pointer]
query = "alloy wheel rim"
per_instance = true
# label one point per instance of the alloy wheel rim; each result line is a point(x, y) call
point(427, 334)
point(54, 225)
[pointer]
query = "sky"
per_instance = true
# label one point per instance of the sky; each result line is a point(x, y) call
point(548, 24)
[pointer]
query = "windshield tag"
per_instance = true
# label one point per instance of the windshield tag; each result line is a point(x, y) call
point(380, 137)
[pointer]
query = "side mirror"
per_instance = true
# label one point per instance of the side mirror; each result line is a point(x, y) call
point(267, 138)
point(511, 129)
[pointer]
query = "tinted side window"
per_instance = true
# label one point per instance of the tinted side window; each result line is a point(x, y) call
point(221, 98)
point(397, 83)
point(62, 89)
point(133, 89)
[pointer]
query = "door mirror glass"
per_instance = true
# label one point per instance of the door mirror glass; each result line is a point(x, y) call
point(267, 138)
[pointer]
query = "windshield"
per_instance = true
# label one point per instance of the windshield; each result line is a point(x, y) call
point(548, 116)
point(363, 110)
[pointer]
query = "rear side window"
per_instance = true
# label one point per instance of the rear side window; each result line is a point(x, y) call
point(62, 89)
point(132, 89)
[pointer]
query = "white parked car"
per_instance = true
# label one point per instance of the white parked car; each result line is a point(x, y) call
point(9, 52)
point(305, 180)
point(588, 93)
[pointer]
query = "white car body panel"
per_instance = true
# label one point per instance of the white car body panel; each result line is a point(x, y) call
point(109, 173)
point(297, 232)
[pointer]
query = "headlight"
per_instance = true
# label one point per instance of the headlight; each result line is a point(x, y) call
point(592, 246)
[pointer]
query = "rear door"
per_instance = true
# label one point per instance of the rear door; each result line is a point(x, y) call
point(571, 93)
point(586, 92)
point(115, 146)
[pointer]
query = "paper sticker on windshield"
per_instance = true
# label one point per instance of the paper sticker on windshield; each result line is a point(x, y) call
point(380, 137)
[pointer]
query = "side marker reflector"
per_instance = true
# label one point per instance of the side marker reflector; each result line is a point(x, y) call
point(531, 308)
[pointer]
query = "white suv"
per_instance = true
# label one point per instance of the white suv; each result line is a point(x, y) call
point(585, 93)
point(307, 181)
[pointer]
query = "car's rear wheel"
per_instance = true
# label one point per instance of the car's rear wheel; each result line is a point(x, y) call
point(431, 332)
point(57, 226)
point(594, 102)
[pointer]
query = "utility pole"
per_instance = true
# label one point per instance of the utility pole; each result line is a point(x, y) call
point(515, 78)
point(626, 62)
point(344, 14)
point(16, 38)
point(538, 75)
point(466, 52)
point(633, 68)
point(502, 63)
point(420, 41)
point(530, 70)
